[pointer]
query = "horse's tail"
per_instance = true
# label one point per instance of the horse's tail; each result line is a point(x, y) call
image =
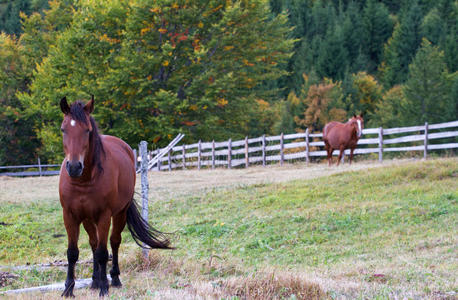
point(145, 235)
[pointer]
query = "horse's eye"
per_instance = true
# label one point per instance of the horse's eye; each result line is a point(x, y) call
point(63, 131)
point(87, 131)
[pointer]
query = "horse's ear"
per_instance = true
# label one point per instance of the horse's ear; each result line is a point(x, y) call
point(361, 115)
point(89, 107)
point(354, 115)
point(64, 106)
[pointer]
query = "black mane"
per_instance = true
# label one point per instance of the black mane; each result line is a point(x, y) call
point(77, 113)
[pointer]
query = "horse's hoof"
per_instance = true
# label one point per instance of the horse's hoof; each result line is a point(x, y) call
point(94, 285)
point(103, 292)
point(115, 282)
point(68, 292)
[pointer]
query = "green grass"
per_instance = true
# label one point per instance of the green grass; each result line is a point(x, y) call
point(400, 222)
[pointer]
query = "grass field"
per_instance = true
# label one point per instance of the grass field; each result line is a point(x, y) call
point(366, 231)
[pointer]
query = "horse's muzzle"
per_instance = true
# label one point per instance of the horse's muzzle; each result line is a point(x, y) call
point(74, 169)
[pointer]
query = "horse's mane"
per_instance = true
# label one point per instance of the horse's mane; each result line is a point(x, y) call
point(77, 112)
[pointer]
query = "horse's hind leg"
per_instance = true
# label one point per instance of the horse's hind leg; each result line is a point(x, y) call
point(73, 231)
point(341, 152)
point(92, 232)
point(329, 152)
point(119, 221)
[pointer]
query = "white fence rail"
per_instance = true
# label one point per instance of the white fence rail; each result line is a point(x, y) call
point(284, 147)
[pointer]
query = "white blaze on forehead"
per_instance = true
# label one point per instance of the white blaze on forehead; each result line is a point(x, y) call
point(72, 122)
point(359, 127)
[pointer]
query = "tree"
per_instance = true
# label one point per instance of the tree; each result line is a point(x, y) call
point(16, 133)
point(332, 61)
point(402, 46)
point(389, 111)
point(377, 28)
point(322, 106)
point(368, 93)
point(157, 70)
point(428, 88)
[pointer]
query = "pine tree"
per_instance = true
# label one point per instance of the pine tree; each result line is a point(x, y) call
point(332, 59)
point(428, 88)
point(402, 46)
point(377, 28)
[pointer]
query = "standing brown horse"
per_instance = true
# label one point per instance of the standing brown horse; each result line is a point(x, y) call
point(96, 186)
point(341, 136)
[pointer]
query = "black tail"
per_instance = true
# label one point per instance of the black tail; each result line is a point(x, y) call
point(145, 235)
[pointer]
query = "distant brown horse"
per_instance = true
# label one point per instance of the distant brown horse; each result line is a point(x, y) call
point(341, 136)
point(97, 180)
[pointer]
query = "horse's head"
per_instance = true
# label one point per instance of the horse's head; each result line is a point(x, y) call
point(76, 129)
point(358, 122)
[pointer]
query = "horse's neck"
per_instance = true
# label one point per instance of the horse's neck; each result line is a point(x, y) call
point(352, 125)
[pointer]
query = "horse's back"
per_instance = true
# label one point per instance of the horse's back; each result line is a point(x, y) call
point(328, 128)
point(121, 161)
point(119, 148)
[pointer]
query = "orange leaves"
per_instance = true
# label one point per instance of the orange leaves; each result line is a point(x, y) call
point(106, 38)
point(227, 48)
point(247, 63)
point(222, 102)
point(189, 123)
point(162, 30)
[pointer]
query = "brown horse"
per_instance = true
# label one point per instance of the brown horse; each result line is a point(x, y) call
point(96, 186)
point(341, 136)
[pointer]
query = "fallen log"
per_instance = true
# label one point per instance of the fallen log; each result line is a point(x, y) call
point(79, 283)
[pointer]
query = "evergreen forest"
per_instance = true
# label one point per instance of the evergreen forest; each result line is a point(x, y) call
point(219, 69)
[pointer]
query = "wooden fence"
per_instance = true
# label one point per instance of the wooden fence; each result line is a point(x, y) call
point(267, 149)
point(285, 147)
point(39, 170)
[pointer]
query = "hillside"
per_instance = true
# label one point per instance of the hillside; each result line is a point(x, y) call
point(364, 231)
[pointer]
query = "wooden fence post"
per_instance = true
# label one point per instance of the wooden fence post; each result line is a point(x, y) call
point(183, 151)
point(307, 146)
point(39, 166)
point(144, 184)
point(135, 156)
point(169, 159)
point(213, 154)
point(425, 153)
point(159, 164)
point(199, 153)
point(247, 157)
point(229, 153)
point(380, 144)
point(263, 150)
point(282, 154)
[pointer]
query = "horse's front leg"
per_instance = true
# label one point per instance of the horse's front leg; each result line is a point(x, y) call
point(101, 253)
point(91, 230)
point(351, 154)
point(72, 227)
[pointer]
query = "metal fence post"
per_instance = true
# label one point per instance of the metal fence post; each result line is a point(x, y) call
point(144, 183)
